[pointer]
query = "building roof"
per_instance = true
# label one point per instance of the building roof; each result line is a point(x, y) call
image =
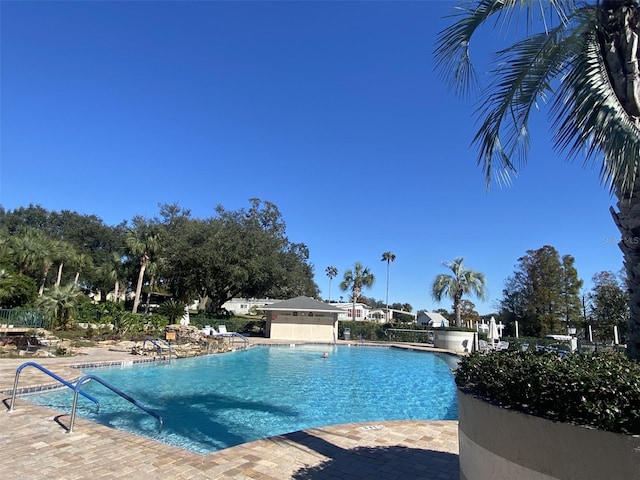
point(435, 317)
point(302, 304)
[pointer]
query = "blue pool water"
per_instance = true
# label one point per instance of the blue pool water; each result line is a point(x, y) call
point(218, 401)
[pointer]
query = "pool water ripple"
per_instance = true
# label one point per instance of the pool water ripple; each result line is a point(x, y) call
point(218, 401)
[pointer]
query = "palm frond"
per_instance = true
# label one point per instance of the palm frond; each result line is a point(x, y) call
point(452, 57)
point(591, 121)
point(523, 77)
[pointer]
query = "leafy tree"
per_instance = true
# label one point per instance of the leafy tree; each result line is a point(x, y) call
point(468, 313)
point(16, 290)
point(331, 272)
point(543, 293)
point(243, 252)
point(463, 281)
point(388, 257)
point(585, 58)
point(608, 304)
point(570, 293)
point(355, 280)
point(297, 278)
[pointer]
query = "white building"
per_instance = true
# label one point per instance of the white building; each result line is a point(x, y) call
point(363, 311)
point(432, 319)
point(247, 306)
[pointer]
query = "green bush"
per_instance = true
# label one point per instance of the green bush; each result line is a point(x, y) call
point(601, 390)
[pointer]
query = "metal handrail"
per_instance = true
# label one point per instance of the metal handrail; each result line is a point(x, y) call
point(158, 346)
point(114, 390)
point(235, 335)
point(52, 375)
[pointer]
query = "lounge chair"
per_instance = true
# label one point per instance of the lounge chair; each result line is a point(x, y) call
point(483, 346)
point(502, 345)
point(222, 330)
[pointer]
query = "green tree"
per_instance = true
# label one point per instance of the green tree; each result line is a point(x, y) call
point(173, 310)
point(388, 257)
point(608, 304)
point(468, 313)
point(543, 293)
point(570, 293)
point(585, 58)
point(61, 304)
point(354, 281)
point(16, 290)
point(331, 272)
point(462, 281)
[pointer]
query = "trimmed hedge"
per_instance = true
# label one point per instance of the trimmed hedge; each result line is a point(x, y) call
point(601, 390)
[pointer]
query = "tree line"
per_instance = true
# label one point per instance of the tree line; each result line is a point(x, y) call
point(543, 295)
point(243, 252)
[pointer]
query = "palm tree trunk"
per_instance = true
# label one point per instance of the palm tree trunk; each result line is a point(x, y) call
point(456, 308)
point(387, 297)
point(151, 284)
point(356, 296)
point(136, 300)
point(59, 277)
point(628, 222)
point(44, 279)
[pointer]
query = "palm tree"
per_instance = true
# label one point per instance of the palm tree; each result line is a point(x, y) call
point(112, 269)
point(354, 280)
point(463, 282)
point(49, 254)
point(60, 303)
point(388, 257)
point(82, 262)
point(143, 245)
point(331, 272)
point(65, 253)
point(585, 57)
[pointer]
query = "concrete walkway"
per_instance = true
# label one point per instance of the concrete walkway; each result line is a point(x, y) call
point(35, 444)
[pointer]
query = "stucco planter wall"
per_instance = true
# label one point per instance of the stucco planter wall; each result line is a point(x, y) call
point(461, 342)
point(500, 444)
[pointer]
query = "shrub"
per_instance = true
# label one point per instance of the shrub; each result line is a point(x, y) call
point(601, 390)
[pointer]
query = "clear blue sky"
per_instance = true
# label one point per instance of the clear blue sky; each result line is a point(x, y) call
point(331, 110)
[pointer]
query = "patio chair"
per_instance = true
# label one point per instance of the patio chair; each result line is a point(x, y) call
point(483, 346)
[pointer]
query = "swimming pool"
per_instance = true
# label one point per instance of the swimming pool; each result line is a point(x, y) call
point(218, 401)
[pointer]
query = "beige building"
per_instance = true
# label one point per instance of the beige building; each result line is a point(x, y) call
point(302, 318)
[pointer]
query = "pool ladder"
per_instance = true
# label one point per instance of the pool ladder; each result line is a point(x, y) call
point(160, 345)
point(77, 391)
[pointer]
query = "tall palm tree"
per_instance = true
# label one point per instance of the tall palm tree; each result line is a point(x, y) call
point(585, 58)
point(112, 270)
point(355, 280)
point(82, 262)
point(463, 281)
point(50, 253)
point(65, 253)
point(388, 257)
point(331, 272)
point(143, 245)
point(28, 248)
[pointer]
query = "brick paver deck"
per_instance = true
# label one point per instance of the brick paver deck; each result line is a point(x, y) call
point(35, 445)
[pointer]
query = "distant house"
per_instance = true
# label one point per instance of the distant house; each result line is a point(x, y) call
point(432, 319)
point(363, 312)
point(246, 306)
point(302, 318)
